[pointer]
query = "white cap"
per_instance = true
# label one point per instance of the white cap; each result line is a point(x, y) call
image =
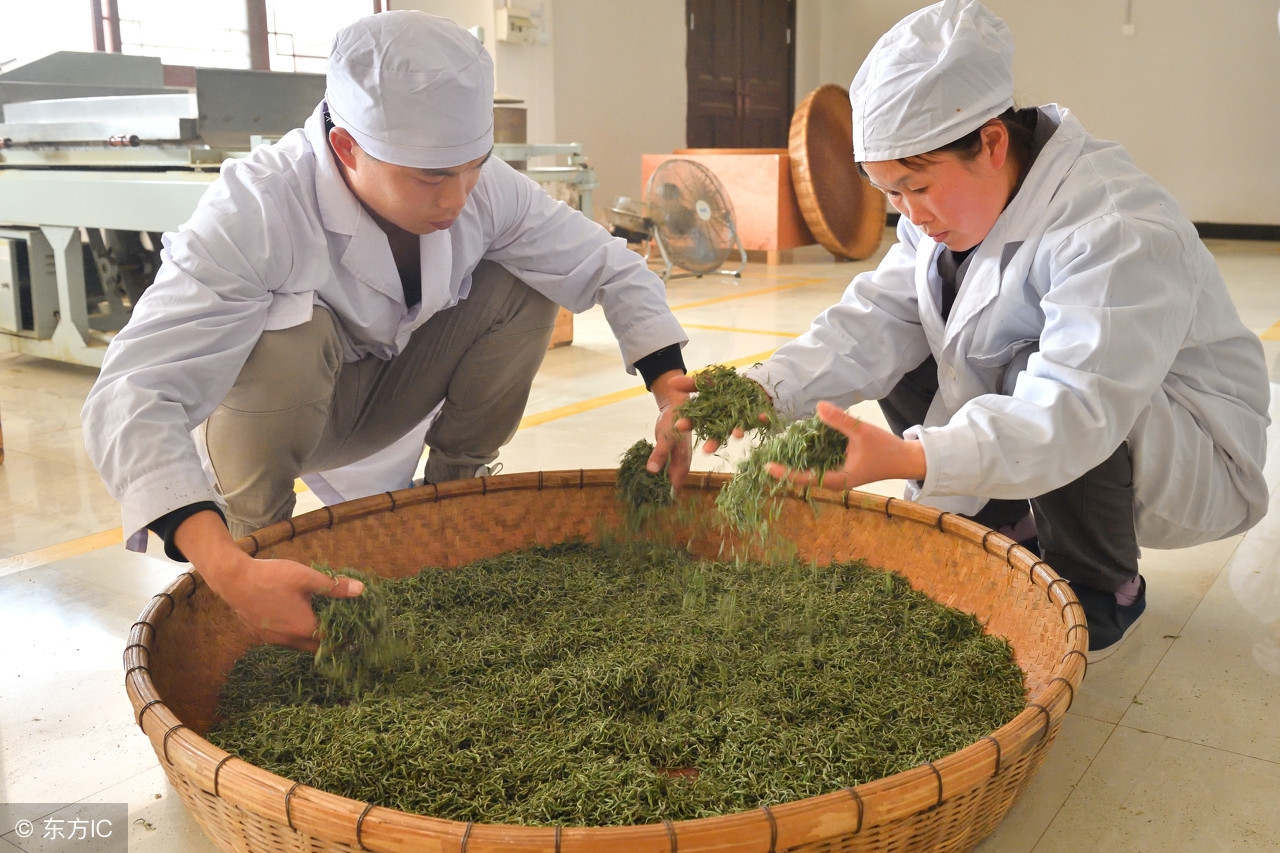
point(938, 74)
point(413, 89)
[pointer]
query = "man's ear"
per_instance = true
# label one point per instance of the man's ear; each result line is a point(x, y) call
point(344, 146)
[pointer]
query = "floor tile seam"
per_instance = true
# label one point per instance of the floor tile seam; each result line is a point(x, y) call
point(1149, 730)
point(1075, 783)
point(1198, 744)
point(88, 799)
point(1173, 638)
point(1035, 845)
point(13, 451)
point(128, 778)
point(1094, 718)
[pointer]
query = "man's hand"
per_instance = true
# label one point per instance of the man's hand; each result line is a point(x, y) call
point(272, 597)
point(873, 454)
point(673, 447)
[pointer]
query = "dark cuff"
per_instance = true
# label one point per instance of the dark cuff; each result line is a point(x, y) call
point(166, 525)
point(657, 363)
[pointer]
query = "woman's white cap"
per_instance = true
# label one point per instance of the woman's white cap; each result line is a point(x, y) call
point(937, 75)
point(413, 89)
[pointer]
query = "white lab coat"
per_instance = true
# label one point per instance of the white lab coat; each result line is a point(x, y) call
point(280, 232)
point(1091, 314)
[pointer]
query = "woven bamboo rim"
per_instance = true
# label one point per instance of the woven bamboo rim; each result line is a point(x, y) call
point(845, 213)
point(186, 638)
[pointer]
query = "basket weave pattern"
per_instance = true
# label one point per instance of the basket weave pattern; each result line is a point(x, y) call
point(186, 641)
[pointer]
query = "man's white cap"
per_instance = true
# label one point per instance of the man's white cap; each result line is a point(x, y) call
point(413, 89)
point(937, 75)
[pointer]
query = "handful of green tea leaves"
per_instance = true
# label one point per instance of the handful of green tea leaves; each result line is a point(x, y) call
point(639, 489)
point(726, 400)
point(747, 502)
point(357, 641)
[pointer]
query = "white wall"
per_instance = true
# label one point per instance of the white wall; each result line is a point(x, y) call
point(608, 75)
point(522, 71)
point(619, 86)
point(1194, 94)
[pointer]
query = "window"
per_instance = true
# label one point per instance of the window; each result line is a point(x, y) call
point(202, 34)
point(27, 33)
point(299, 31)
point(214, 33)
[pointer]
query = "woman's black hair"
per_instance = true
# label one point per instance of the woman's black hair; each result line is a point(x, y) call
point(1020, 123)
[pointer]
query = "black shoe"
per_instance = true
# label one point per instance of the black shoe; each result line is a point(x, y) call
point(1109, 622)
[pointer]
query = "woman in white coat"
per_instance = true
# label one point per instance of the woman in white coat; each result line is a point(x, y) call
point(1048, 328)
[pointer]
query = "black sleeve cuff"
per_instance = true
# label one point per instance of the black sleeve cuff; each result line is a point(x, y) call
point(657, 363)
point(166, 525)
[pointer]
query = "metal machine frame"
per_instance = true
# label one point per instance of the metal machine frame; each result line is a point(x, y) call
point(91, 173)
point(577, 173)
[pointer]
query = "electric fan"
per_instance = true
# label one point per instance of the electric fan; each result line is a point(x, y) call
point(691, 220)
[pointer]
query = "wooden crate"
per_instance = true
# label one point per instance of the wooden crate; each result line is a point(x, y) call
point(562, 335)
point(758, 182)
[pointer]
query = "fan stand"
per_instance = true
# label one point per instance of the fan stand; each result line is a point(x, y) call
point(655, 235)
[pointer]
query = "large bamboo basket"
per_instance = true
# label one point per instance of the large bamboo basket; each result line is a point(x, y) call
point(845, 213)
point(187, 639)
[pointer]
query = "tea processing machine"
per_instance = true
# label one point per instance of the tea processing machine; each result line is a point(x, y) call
point(100, 153)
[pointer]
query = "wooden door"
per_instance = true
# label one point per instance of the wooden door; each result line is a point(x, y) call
point(740, 62)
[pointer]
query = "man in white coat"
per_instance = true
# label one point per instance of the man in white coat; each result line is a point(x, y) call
point(1048, 328)
point(330, 291)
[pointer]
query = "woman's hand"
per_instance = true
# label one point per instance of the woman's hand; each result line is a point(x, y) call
point(873, 454)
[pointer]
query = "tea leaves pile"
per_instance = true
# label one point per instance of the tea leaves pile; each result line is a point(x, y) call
point(579, 685)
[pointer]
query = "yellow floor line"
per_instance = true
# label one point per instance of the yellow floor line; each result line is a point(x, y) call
point(705, 328)
point(618, 396)
point(1272, 334)
point(747, 294)
point(748, 360)
point(61, 551)
point(581, 406)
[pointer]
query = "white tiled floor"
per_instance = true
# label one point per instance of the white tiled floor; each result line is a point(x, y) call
point(1172, 745)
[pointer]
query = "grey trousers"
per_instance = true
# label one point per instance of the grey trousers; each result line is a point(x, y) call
point(1086, 528)
point(296, 408)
